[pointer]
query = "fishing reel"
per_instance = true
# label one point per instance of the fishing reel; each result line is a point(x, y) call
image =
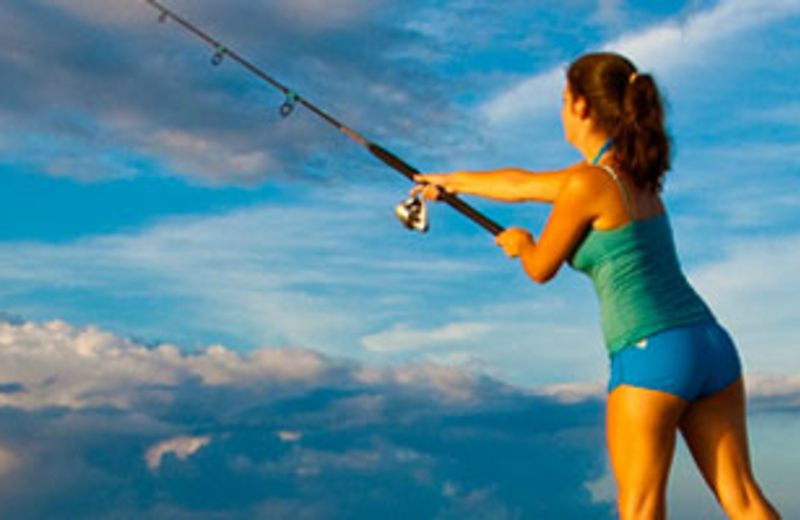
point(413, 213)
point(288, 105)
point(219, 56)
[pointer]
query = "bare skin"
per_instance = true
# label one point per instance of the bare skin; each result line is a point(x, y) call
point(642, 424)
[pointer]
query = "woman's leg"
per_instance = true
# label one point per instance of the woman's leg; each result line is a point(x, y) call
point(642, 428)
point(715, 430)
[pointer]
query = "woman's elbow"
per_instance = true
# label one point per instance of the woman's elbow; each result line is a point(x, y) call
point(541, 275)
point(539, 268)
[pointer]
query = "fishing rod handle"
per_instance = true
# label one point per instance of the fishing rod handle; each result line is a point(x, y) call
point(454, 201)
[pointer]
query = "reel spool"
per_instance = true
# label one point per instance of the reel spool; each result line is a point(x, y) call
point(413, 213)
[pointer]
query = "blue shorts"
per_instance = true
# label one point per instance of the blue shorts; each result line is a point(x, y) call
point(691, 362)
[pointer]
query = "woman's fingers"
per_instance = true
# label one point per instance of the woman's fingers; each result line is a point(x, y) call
point(426, 190)
point(428, 178)
point(431, 192)
point(514, 241)
point(429, 186)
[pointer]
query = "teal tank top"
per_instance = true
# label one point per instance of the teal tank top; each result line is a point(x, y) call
point(638, 279)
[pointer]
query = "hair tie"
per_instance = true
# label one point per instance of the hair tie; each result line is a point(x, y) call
point(633, 77)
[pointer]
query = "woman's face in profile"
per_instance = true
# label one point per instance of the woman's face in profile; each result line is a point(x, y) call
point(569, 114)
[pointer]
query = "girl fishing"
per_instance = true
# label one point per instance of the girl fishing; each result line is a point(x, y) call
point(673, 367)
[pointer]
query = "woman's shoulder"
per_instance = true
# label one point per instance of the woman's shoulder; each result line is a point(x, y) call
point(613, 199)
point(589, 179)
point(586, 192)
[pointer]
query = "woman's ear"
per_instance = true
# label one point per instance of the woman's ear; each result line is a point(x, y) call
point(580, 107)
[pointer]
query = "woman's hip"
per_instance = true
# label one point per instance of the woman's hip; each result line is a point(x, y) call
point(691, 362)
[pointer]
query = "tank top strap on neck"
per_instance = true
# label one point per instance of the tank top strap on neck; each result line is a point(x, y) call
point(625, 195)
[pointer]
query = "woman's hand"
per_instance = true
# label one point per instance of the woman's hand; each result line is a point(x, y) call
point(515, 241)
point(432, 185)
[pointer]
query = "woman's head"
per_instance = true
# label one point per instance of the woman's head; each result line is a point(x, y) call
point(626, 106)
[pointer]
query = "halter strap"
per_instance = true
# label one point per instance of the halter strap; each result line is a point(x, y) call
point(606, 147)
point(596, 162)
point(622, 188)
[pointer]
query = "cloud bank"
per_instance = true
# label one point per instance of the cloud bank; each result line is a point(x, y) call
point(102, 427)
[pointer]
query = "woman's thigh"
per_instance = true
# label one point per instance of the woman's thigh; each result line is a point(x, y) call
point(715, 430)
point(642, 428)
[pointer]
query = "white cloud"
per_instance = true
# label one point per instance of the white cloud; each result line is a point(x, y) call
point(180, 447)
point(572, 392)
point(665, 48)
point(670, 46)
point(190, 152)
point(56, 364)
point(289, 436)
point(59, 365)
point(89, 167)
point(403, 338)
point(528, 98)
point(221, 366)
point(450, 383)
point(783, 390)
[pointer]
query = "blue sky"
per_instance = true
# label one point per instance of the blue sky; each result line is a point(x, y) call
point(151, 201)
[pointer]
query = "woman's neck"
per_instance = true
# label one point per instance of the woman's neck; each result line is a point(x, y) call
point(591, 147)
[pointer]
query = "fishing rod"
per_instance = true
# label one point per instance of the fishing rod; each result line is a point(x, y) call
point(412, 212)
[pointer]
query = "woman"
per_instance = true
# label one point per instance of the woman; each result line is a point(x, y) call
point(673, 368)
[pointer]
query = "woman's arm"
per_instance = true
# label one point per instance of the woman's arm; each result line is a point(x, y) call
point(507, 184)
point(574, 210)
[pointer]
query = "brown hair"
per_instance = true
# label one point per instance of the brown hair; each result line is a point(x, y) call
point(626, 105)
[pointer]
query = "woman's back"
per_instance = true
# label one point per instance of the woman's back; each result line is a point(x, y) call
point(639, 282)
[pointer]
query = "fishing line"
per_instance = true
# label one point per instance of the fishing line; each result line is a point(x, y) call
point(412, 212)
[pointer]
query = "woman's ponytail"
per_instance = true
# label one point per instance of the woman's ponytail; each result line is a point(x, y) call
point(627, 106)
point(641, 144)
